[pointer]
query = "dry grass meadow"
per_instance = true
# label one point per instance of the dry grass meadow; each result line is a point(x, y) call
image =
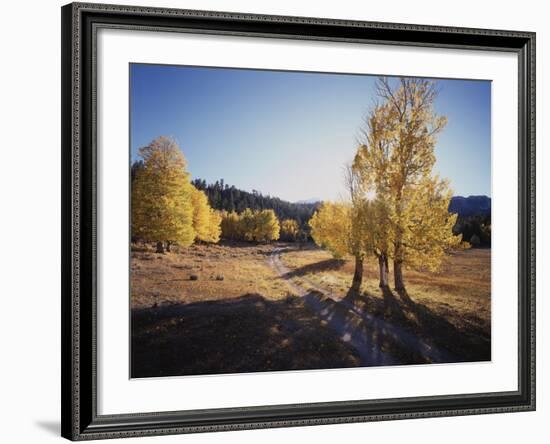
point(223, 271)
point(225, 308)
point(460, 291)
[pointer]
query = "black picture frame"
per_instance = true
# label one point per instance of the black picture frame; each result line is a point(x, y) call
point(80, 22)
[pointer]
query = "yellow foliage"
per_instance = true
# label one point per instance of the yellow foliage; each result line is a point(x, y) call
point(429, 234)
point(201, 214)
point(214, 227)
point(331, 228)
point(231, 225)
point(289, 229)
point(206, 221)
point(250, 225)
point(395, 163)
point(260, 226)
point(161, 195)
point(267, 226)
point(247, 224)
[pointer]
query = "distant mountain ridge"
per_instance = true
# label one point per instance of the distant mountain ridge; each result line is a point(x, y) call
point(313, 200)
point(470, 206)
point(464, 206)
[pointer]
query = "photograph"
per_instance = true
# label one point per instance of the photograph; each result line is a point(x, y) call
point(285, 221)
point(290, 221)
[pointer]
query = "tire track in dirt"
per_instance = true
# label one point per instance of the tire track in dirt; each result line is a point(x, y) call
point(375, 340)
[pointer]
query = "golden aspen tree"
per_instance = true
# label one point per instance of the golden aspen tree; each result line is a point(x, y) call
point(340, 228)
point(201, 214)
point(396, 162)
point(370, 165)
point(206, 222)
point(379, 238)
point(247, 225)
point(214, 227)
point(360, 239)
point(266, 226)
point(250, 225)
point(162, 210)
point(331, 228)
point(289, 230)
point(231, 225)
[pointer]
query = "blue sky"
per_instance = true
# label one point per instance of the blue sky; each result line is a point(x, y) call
point(289, 134)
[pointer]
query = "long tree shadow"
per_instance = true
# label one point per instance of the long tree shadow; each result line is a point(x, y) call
point(317, 267)
point(376, 342)
point(379, 329)
point(254, 334)
point(246, 334)
point(454, 344)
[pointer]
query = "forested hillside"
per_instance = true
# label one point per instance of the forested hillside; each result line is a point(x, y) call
point(474, 212)
point(227, 197)
point(474, 219)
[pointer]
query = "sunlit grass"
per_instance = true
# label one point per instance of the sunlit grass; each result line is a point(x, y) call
point(460, 291)
point(221, 272)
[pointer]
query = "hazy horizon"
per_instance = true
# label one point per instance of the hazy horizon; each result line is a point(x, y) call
point(314, 199)
point(290, 134)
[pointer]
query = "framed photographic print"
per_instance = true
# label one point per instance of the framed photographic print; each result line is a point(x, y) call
point(280, 221)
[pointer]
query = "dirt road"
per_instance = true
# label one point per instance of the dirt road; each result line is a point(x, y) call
point(376, 341)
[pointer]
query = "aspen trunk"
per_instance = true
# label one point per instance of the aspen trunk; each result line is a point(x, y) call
point(398, 277)
point(383, 267)
point(358, 275)
point(160, 247)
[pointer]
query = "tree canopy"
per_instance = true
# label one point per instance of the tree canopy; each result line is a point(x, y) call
point(162, 209)
point(166, 207)
point(397, 208)
point(331, 228)
point(395, 164)
point(289, 230)
point(250, 225)
point(345, 228)
point(206, 221)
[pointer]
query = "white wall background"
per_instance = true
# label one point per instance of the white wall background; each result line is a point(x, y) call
point(30, 220)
